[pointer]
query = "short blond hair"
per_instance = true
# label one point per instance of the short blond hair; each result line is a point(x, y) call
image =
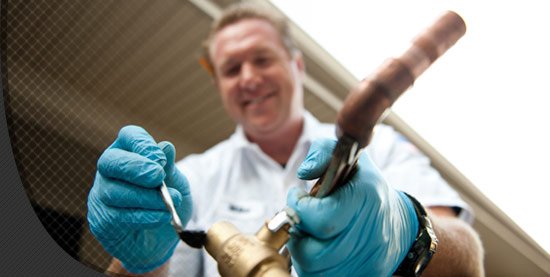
point(249, 10)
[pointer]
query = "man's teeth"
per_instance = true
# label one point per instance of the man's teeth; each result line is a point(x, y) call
point(258, 100)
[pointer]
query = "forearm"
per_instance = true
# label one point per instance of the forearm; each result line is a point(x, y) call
point(459, 251)
point(116, 269)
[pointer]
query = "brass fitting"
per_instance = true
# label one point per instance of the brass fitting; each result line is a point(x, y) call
point(240, 254)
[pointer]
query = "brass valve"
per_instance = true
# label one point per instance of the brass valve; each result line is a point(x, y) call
point(241, 254)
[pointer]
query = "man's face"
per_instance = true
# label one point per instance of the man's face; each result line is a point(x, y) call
point(259, 82)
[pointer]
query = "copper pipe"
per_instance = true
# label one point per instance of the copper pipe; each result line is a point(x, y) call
point(372, 96)
point(368, 100)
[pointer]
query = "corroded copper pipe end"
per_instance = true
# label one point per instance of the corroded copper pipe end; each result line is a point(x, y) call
point(429, 45)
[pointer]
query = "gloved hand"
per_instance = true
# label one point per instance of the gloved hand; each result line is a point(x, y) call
point(125, 209)
point(364, 228)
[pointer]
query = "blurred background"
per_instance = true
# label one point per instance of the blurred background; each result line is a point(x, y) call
point(75, 71)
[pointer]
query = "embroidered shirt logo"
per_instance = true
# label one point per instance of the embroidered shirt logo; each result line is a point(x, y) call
point(230, 208)
point(239, 209)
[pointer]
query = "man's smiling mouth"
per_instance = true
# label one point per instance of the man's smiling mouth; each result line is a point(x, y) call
point(257, 99)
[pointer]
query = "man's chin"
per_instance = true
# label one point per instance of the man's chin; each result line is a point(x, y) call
point(261, 128)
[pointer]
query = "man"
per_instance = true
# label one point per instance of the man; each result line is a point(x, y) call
point(364, 228)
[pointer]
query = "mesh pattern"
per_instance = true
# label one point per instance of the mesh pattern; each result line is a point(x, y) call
point(56, 79)
point(52, 149)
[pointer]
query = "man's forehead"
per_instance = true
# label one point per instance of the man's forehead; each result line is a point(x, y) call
point(255, 35)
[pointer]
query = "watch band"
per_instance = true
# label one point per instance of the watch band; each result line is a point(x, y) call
point(424, 246)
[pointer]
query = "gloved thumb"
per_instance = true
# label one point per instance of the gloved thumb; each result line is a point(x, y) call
point(317, 160)
point(174, 179)
point(170, 153)
point(177, 183)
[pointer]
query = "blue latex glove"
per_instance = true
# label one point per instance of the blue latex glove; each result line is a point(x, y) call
point(364, 228)
point(125, 209)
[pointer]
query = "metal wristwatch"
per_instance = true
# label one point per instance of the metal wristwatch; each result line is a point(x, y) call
point(424, 246)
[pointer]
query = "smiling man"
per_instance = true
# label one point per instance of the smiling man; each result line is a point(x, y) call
point(367, 227)
point(260, 84)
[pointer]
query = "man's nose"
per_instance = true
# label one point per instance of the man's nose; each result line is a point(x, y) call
point(250, 76)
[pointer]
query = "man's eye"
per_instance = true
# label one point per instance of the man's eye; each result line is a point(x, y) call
point(262, 61)
point(232, 71)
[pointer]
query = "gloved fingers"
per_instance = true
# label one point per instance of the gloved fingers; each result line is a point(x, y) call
point(313, 255)
point(135, 139)
point(317, 160)
point(124, 195)
point(139, 219)
point(322, 218)
point(174, 178)
point(114, 219)
point(130, 167)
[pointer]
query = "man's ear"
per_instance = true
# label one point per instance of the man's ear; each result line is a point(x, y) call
point(216, 83)
point(300, 64)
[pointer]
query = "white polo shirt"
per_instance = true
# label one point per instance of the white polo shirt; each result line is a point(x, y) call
point(235, 181)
